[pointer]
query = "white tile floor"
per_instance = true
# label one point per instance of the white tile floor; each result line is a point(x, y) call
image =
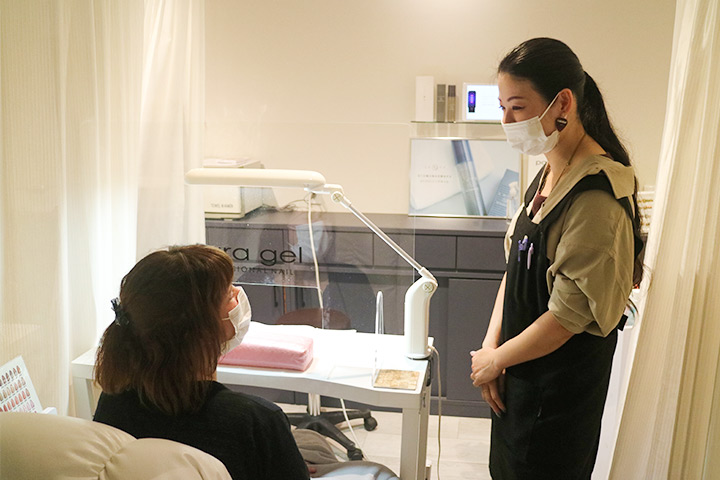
point(464, 444)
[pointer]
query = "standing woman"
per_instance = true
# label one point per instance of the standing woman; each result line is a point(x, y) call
point(177, 311)
point(573, 255)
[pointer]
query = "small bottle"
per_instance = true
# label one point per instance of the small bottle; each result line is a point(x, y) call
point(450, 103)
point(440, 100)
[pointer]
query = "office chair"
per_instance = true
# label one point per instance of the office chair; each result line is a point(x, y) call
point(325, 423)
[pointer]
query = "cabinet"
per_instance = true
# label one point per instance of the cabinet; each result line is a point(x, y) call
point(464, 254)
point(470, 303)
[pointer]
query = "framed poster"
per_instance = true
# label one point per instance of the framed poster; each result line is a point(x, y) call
point(456, 177)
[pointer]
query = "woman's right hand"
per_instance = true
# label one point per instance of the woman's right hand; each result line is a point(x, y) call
point(493, 393)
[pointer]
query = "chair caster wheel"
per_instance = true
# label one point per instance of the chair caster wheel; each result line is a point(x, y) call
point(370, 424)
point(355, 454)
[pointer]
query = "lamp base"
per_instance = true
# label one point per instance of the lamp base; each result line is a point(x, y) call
point(419, 356)
point(417, 312)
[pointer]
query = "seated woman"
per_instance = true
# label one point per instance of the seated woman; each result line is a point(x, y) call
point(177, 312)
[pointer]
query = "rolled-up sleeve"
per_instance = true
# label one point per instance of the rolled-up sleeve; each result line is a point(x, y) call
point(591, 276)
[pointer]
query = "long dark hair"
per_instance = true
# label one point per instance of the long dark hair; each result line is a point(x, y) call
point(551, 66)
point(167, 335)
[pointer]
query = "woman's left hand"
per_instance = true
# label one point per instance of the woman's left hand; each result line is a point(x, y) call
point(484, 366)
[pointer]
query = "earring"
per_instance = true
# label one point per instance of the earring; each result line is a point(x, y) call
point(560, 123)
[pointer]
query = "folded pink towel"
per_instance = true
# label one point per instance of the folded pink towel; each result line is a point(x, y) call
point(271, 350)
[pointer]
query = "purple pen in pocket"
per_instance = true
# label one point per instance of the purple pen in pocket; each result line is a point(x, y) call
point(522, 246)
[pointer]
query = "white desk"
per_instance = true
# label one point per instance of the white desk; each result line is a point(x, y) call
point(342, 368)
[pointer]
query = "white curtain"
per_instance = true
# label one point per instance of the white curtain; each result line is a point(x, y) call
point(670, 427)
point(74, 105)
point(172, 123)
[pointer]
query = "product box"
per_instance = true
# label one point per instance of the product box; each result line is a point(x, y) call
point(233, 202)
point(424, 98)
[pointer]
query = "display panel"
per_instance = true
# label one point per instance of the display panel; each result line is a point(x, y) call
point(453, 177)
point(480, 103)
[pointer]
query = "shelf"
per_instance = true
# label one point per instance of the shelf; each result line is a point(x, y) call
point(464, 130)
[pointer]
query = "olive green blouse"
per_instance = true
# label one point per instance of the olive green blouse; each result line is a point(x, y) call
point(590, 249)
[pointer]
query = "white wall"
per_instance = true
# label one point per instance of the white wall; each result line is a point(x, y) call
point(329, 85)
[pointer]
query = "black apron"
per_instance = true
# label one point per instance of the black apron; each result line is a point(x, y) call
point(551, 428)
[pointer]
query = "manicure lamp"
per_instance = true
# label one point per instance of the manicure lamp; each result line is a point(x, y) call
point(417, 297)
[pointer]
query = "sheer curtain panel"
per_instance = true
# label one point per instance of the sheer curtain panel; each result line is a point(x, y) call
point(78, 88)
point(173, 111)
point(70, 119)
point(670, 427)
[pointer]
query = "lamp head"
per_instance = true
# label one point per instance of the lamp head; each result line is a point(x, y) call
point(255, 177)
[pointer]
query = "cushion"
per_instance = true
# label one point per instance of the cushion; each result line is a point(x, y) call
point(34, 445)
point(169, 461)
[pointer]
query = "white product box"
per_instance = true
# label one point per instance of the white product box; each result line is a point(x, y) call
point(234, 202)
point(425, 98)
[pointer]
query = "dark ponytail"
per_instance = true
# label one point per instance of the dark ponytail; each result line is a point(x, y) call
point(551, 66)
point(594, 118)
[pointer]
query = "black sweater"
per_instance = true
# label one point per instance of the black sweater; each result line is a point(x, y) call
point(250, 435)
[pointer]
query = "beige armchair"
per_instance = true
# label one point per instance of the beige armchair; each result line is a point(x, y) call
point(34, 446)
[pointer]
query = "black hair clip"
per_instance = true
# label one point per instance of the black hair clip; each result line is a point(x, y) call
point(121, 316)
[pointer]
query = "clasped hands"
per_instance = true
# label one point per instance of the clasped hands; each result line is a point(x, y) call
point(486, 374)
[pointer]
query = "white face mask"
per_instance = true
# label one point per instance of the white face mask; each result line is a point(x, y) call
point(240, 317)
point(529, 137)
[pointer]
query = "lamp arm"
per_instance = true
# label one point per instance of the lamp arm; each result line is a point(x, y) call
point(417, 296)
point(339, 197)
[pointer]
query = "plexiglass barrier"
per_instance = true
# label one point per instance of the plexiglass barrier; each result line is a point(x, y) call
point(272, 252)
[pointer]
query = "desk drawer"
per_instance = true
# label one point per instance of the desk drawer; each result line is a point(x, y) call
point(480, 253)
point(334, 248)
point(348, 248)
point(435, 251)
point(384, 256)
point(431, 251)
